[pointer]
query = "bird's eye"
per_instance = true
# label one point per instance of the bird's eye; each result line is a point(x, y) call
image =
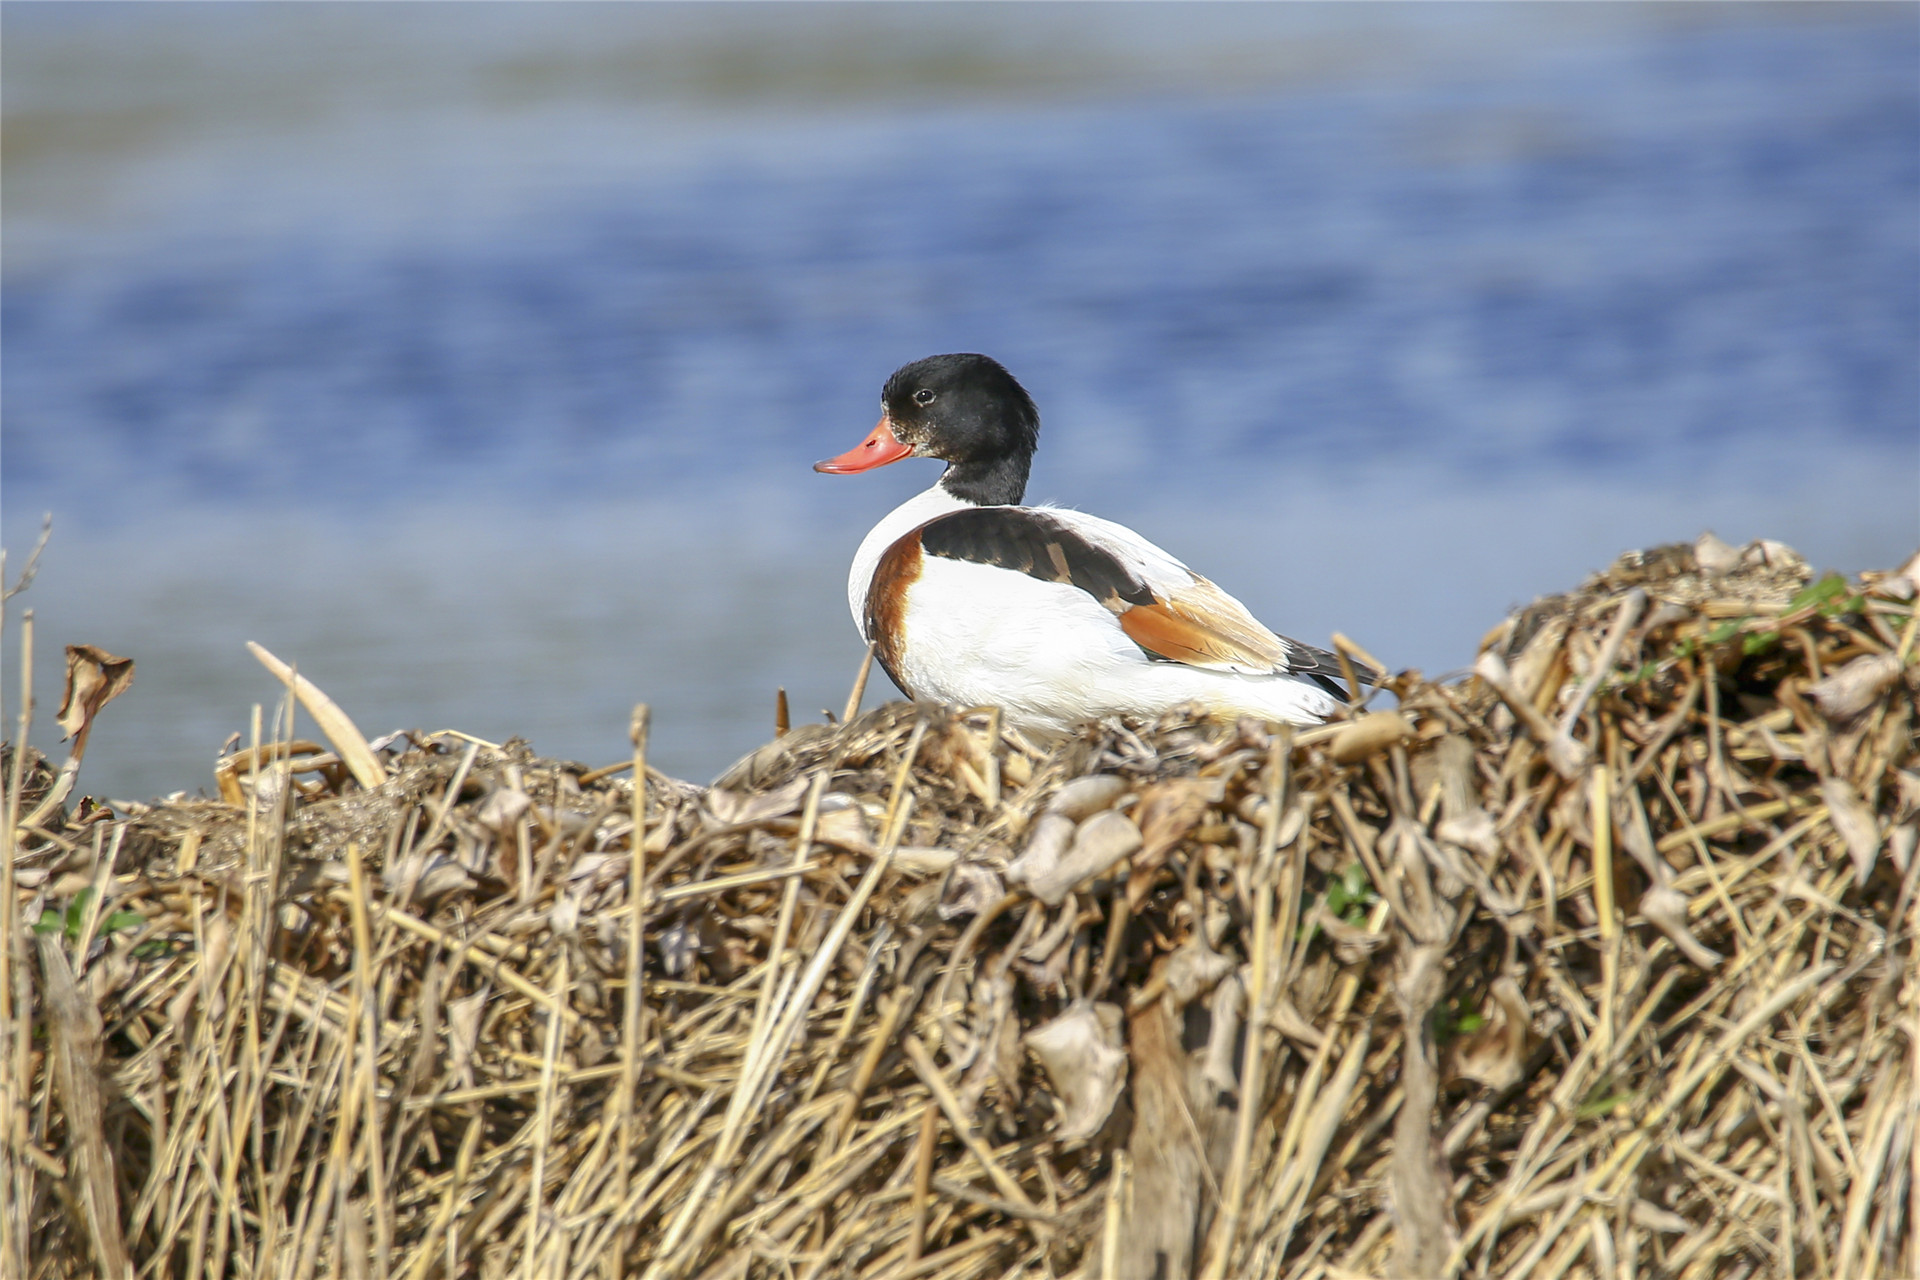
point(923, 396)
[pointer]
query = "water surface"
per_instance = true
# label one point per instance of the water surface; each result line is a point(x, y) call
point(473, 358)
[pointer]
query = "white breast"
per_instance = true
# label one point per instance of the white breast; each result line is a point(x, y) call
point(899, 522)
point(977, 635)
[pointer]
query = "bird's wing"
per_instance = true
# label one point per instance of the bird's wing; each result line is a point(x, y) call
point(1171, 612)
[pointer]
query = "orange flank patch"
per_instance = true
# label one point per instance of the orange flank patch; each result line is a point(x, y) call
point(898, 570)
point(1170, 632)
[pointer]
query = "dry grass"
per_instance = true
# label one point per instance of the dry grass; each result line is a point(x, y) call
point(1600, 963)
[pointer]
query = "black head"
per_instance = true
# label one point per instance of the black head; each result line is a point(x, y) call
point(968, 411)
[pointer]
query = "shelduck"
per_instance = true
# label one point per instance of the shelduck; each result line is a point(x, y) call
point(1054, 616)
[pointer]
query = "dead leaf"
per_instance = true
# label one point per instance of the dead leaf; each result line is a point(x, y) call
point(1666, 907)
point(1290, 1022)
point(737, 808)
point(1166, 812)
point(503, 809)
point(94, 678)
point(1854, 821)
point(1098, 844)
point(1903, 583)
point(1767, 553)
point(1854, 687)
point(1473, 830)
point(206, 976)
point(1084, 797)
point(1369, 734)
point(1052, 833)
point(1351, 944)
point(971, 889)
point(847, 828)
point(1081, 1054)
point(463, 1036)
point(1220, 1061)
point(1654, 1218)
point(1714, 556)
point(1194, 970)
point(1901, 844)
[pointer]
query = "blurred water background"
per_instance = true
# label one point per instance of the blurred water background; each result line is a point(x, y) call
point(473, 357)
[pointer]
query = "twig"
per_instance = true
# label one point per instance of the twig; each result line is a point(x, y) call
point(28, 571)
point(1226, 1227)
point(922, 1179)
point(632, 1030)
point(1117, 1197)
point(1623, 620)
point(930, 1075)
point(335, 723)
point(1566, 756)
point(859, 690)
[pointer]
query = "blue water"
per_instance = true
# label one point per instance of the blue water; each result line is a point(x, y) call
point(496, 413)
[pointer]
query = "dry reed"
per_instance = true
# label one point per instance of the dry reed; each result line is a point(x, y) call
point(1599, 963)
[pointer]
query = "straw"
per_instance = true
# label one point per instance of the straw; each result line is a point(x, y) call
point(1600, 962)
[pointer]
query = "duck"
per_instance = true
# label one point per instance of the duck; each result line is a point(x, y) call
point(1057, 617)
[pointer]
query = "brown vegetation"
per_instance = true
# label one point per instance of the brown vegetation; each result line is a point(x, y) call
point(1598, 963)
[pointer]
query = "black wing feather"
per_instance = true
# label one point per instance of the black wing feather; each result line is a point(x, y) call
point(1323, 668)
point(1030, 542)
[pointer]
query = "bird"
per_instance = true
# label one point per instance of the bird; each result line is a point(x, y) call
point(969, 598)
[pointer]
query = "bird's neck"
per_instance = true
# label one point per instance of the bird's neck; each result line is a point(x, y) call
point(1001, 482)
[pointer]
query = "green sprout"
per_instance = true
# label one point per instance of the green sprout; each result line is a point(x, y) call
point(1726, 630)
point(1456, 1018)
point(1824, 591)
point(1349, 895)
point(1831, 595)
point(1602, 1101)
point(70, 922)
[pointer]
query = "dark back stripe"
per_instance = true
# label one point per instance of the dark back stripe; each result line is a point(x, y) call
point(1031, 542)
